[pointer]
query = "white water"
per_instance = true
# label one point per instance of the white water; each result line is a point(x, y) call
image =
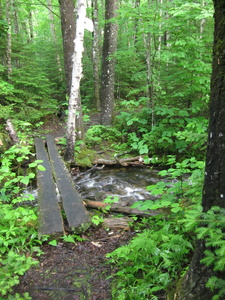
point(129, 184)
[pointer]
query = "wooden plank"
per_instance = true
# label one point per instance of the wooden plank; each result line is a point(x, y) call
point(76, 213)
point(49, 214)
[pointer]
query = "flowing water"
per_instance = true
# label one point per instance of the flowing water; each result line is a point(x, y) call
point(129, 184)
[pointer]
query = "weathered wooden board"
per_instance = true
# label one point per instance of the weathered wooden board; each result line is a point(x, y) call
point(49, 215)
point(76, 213)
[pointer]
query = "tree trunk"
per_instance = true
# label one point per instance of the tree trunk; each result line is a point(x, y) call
point(75, 84)
point(79, 120)
point(15, 17)
point(202, 22)
point(9, 41)
point(193, 285)
point(53, 34)
point(96, 58)
point(108, 63)
point(68, 25)
point(150, 80)
point(31, 27)
point(136, 22)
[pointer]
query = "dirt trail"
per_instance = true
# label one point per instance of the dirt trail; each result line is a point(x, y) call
point(74, 271)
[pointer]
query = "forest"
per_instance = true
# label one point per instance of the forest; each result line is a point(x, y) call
point(150, 75)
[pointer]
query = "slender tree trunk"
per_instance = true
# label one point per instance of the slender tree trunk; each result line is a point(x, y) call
point(16, 28)
point(202, 22)
point(150, 80)
point(108, 63)
point(193, 285)
point(53, 34)
point(96, 56)
point(136, 22)
point(75, 84)
point(9, 41)
point(160, 3)
point(15, 18)
point(31, 27)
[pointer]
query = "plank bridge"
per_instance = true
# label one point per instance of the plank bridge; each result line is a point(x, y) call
point(53, 206)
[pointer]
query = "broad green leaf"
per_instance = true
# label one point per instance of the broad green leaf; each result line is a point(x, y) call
point(41, 168)
point(25, 180)
point(53, 243)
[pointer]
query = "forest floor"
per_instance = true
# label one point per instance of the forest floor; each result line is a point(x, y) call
point(77, 271)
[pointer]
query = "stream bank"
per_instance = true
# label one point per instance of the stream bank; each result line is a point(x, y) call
point(81, 270)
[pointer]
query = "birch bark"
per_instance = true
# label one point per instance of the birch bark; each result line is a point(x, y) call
point(75, 83)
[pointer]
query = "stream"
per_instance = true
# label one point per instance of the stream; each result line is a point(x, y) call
point(128, 183)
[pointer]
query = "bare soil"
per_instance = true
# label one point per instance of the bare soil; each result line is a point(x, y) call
point(75, 271)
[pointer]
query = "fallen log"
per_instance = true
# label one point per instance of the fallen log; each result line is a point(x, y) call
point(138, 160)
point(118, 223)
point(127, 210)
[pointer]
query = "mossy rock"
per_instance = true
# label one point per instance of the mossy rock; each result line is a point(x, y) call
point(85, 157)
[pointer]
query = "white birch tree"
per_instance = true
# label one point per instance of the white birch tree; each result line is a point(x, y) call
point(76, 77)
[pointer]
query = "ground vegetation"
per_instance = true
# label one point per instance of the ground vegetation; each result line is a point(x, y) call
point(162, 92)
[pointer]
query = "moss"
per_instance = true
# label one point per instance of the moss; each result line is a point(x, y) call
point(85, 157)
point(175, 291)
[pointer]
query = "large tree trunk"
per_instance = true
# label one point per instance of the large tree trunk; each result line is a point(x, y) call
point(75, 84)
point(108, 63)
point(68, 25)
point(193, 286)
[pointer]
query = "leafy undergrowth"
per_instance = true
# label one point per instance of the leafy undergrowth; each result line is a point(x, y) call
point(155, 259)
point(147, 268)
point(18, 235)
